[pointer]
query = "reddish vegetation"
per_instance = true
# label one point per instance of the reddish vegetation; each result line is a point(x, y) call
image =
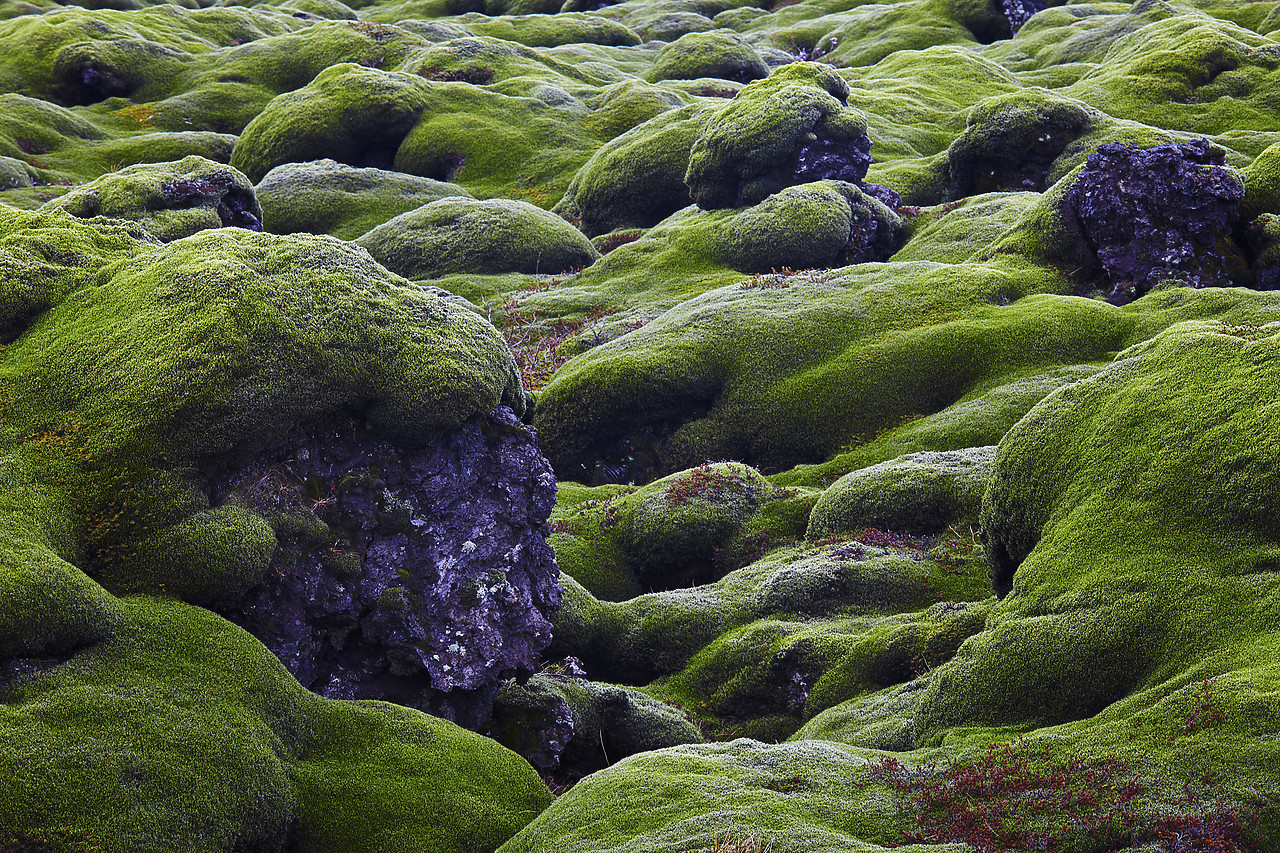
point(1007, 799)
point(538, 344)
point(701, 482)
point(52, 841)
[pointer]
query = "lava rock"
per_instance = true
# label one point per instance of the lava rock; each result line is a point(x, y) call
point(1020, 11)
point(793, 127)
point(421, 577)
point(1159, 213)
point(171, 200)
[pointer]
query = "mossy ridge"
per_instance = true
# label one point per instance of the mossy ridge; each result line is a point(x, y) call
point(182, 732)
point(722, 351)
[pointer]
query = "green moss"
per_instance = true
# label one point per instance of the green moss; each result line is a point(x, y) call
point(917, 493)
point(551, 30)
point(952, 233)
point(714, 54)
point(1262, 185)
point(1188, 72)
point(979, 418)
point(637, 179)
point(621, 106)
point(860, 357)
point(182, 727)
point(327, 197)
point(348, 113)
point(211, 559)
point(788, 796)
point(672, 529)
point(171, 200)
point(463, 235)
point(734, 158)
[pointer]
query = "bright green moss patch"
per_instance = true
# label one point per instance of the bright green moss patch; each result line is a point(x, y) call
point(456, 234)
point(182, 727)
point(327, 197)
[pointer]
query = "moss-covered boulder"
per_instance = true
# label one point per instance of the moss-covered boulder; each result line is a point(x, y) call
point(328, 197)
point(917, 493)
point(463, 235)
point(1013, 142)
point(637, 179)
point(768, 136)
point(171, 200)
point(714, 54)
point(137, 373)
point(819, 225)
point(672, 531)
point(352, 114)
point(570, 727)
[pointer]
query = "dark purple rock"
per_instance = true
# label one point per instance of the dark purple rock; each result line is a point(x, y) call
point(883, 194)
point(234, 204)
point(875, 231)
point(1159, 213)
point(829, 159)
point(421, 577)
point(1020, 11)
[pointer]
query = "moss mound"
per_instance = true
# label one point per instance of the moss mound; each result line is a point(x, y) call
point(171, 200)
point(463, 235)
point(135, 371)
point(328, 197)
point(749, 149)
point(917, 493)
point(714, 54)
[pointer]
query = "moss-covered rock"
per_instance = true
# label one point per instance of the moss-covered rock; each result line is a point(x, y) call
point(135, 372)
point(917, 493)
point(820, 225)
point(753, 146)
point(572, 727)
point(637, 179)
point(328, 197)
point(673, 529)
point(171, 200)
point(1013, 143)
point(352, 114)
point(714, 54)
point(463, 235)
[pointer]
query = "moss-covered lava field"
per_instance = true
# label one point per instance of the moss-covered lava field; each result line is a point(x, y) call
point(669, 426)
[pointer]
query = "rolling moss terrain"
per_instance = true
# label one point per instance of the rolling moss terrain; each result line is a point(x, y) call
point(891, 507)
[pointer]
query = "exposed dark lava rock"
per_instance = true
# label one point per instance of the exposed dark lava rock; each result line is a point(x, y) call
point(1160, 213)
point(421, 577)
point(1020, 11)
point(833, 159)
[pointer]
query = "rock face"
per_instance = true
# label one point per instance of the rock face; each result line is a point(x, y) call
point(1159, 213)
point(419, 577)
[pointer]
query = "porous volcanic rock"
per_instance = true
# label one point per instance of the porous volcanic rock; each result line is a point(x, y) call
point(1159, 213)
point(421, 577)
